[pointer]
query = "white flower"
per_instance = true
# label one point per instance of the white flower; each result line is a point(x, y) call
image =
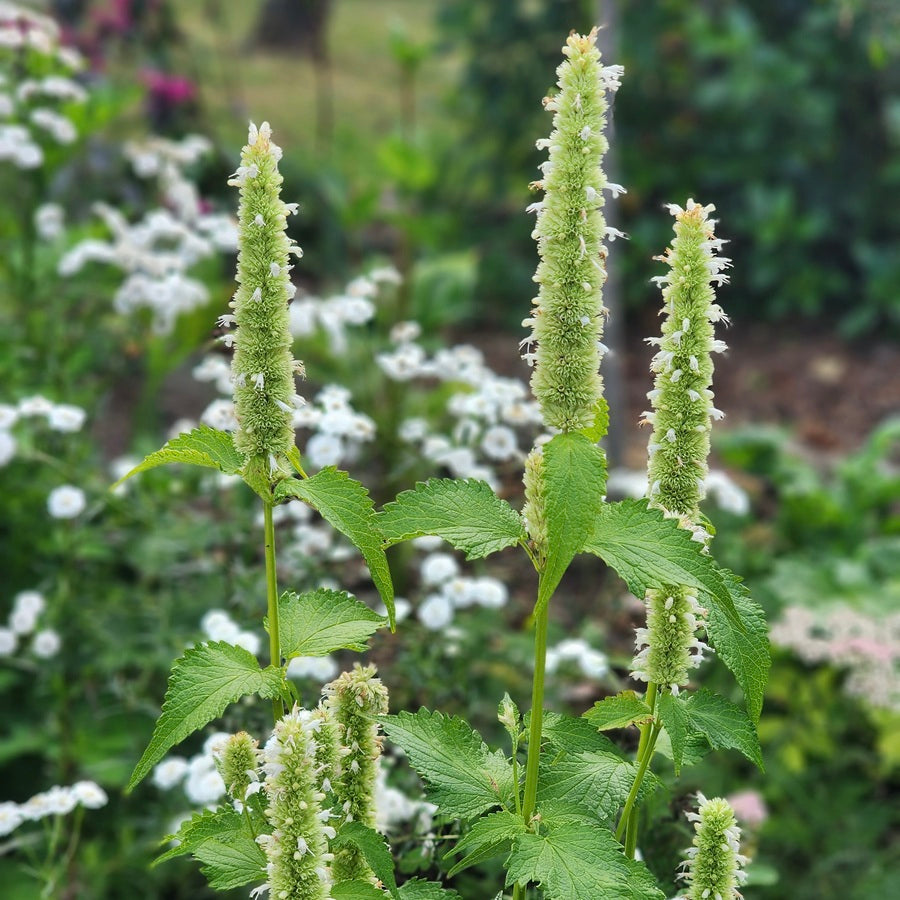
point(438, 568)
point(249, 641)
point(403, 364)
point(66, 417)
point(66, 502)
point(489, 592)
point(46, 644)
point(318, 668)
point(30, 601)
point(220, 414)
point(215, 743)
point(499, 442)
point(169, 772)
point(593, 663)
point(23, 621)
point(204, 787)
point(8, 641)
point(10, 818)
point(35, 406)
point(427, 542)
point(405, 332)
point(435, 612)
point(324, 450)
point(49, 221)
point(412, 430)
point(7, 447)
point(60, 801)
point(89, 794)
point(9, 415)
point(402, 608)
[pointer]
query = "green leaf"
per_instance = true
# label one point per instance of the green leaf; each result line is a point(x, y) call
point(464, 778)
point(677, 722)
point(345, 504)
point(258, 477)
point(373, 848)
point(601, 422)
point(355, 890)
point(230, 865)
point(596, 781)
point(465, 513)
point(417, 889)
point(319, 622)
point(573, 735)
point(577, 862)
point(744, 650)
point(696, 746)
point(574, 479)
point(220, 824)
point(489, 836)
point(625, 709)
point(204, 446)
point(650, 551)
point(202, 684)
point(723, 723)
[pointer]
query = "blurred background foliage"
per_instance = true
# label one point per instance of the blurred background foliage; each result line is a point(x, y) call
point(409, 130)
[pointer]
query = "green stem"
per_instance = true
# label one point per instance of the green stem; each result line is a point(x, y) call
point(272, 601)
point(644, 753)
point(537, 712)
point(519, 892)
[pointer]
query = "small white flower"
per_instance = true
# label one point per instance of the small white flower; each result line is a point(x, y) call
point(489, 592)
point(35, 406)
point(23, 621)
point(438, 568)
point(324, 450)
point(435, 612)
point(215, 743)
point(66, 502)
point(49, 221)
point(169, 772)
point(46, 644)
point(89, 794)
point(499, 442)
point(10, 818)
point(318, 668)
point(9, 415)
point(204, 787)
point(249, 641)
point(66, 417)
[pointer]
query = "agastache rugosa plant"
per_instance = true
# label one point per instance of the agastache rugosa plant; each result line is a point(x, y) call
point(553, 819)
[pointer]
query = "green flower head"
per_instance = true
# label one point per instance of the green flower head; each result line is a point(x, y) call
point(263, 367)
point(567, 318)
point(713, 869)
point(238, 764)
point(297, 848)
point(681, 397)
point(355, 700)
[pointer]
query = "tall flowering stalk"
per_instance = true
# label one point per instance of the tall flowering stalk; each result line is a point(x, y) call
point(297, 848)
point(567, 319)
point(355, 700)
point(714, 868)
point(682, 413)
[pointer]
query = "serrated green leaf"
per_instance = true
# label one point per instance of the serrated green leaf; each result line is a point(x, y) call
point(209, 825)
point(204, 446)
point(374, 849)
point(677, 722)
point(596, 781)
point(226, 866)
point(696, 746)
point(202, 684)
point(465, 513)
point(574, 735)
point(346, 506)
point(723, 723)
point(574, 480)
point(488, 837)
point(649, 551)
point(464, 778)
point(355, 890)
point(319, 622)
point(620, 711)
point(745, 651)
point(418, 889)
point(600, 426)
point(576, 862)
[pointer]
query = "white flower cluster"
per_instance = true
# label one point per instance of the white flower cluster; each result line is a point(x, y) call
point(867, 646)
point(197, 776)
point(355, 305)
point(393, 808)
point(57, 801)
point(315, 668)
point(484, 416)
point(449, 591)
point(591, 662)
point(726, 493)
point(23, 621)
point(33, 107)
point(62, 417)
point(339, 430)
point(157, 252)
point(217, 625)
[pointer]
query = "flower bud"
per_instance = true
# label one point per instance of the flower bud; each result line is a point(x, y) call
point(714, 867)
point(534, 510)
point(567, 319)
point(238, 764)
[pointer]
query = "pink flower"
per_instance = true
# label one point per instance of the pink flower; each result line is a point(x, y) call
point(749, 807)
